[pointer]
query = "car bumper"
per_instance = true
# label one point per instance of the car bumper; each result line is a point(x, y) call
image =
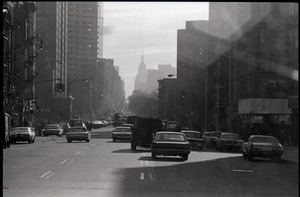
point(170, 152)
point(266, 153)
point(121, 137)
point(77, 137)
point(51, 133)
point(20, 137)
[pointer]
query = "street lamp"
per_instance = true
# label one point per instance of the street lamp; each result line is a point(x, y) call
point(229, 88)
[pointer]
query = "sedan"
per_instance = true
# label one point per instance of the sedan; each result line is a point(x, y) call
point(53, 129)
point(78, 133)
point(262, 146)
point(229, 141)
point(170, 143)
point(121, 133)
point(22, 134)
point(194, 138)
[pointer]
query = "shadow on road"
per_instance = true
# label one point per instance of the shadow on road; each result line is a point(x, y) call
point(162, 158)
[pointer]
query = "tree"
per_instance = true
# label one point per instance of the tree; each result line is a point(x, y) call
point(143, 104)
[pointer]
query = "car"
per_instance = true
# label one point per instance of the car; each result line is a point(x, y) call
point(264, 146)
point(170, 143)
point(78, 133)
point(53, 129)
point(121, 133)
point(229, 141)
point(65, 127)
point(210, 140)
point(194, 138)
point(22, 134)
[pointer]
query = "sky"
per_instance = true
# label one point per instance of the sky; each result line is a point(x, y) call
point(150, 28)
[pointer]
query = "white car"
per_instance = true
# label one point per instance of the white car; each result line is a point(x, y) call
point(22, 134)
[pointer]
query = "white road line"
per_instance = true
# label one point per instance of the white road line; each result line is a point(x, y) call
point(63, 161)
point(70, 162)
point(237, 170)
point(77, 152)
point(45, 174)
point(150, 176)
point(142, 176)
point(49, 175)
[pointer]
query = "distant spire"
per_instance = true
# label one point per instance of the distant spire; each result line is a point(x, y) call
point(143, 56)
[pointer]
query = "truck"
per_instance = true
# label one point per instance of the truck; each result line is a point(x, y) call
point(144, 131)
point(6, 139)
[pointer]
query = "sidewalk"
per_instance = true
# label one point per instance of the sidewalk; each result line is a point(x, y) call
point(292, 155)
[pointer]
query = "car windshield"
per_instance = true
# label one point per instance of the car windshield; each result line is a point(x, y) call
point(20, 129)
point(231, 137)
point(122, 130)
point(265, 140)
point(192, 135)
point(170, 137)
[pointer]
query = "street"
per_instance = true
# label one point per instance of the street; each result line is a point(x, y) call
point(53, 167)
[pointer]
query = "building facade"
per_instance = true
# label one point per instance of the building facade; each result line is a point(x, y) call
point(140, 83)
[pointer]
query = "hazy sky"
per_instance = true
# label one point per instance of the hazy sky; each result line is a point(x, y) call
point(133, 28)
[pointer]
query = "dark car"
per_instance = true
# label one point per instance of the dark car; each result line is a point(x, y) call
point(212, 138)
point(22, 134)
point(262, 146)
point(229, 141)
point(121, 133)
point(194, 138)
point(52, 129)
point(170, 143)
point(78, 133)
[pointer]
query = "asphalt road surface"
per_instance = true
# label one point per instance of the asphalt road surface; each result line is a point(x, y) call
point(53, 167)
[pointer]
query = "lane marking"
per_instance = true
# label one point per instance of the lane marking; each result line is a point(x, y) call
point(142, 176)
point(237, 170)
point(45, 174)
point(150, 176)
point(63, 161)
point(70, 162)
point(49, 175)
point(77, 152)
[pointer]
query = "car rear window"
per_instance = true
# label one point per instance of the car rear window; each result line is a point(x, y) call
point(170, 137)
point(51, 127)
point(77, 129)
point(231, 137)
point(265, 140)
point(123, 130)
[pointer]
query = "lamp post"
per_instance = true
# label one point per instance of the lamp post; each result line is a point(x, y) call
point(69, 93)
point(229, 88)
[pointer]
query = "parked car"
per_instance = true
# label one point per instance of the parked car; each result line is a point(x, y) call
point(22, 134)
point(211, 139)
point(170, 143)
point(78, 133)
point(65, 127)
point(229, 141)
point(121, 133)
point(262, 146)
point(194, 138)
point(52, 129)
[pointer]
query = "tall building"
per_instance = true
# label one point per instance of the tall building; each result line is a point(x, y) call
point(140, 83)
point(152, 83)
point(52, 62)
point(83, 43)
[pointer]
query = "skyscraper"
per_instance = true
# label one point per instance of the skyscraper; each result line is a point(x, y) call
point(140, 83)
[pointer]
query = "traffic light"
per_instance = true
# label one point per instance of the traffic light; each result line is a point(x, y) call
point(62, 87)
point(56, 87)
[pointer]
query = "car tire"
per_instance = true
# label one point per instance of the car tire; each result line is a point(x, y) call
point(244, 156)
point(114, 139)
point(69, 141)
point(88, 140)
point(8, 144)
point(185, 157)
point(29, 141)
point(250, 157)
point(153, 155)
point(33, 140)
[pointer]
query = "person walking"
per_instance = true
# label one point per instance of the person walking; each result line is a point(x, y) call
point(284, 140)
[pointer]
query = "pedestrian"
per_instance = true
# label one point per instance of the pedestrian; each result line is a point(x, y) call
point(284, 140)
